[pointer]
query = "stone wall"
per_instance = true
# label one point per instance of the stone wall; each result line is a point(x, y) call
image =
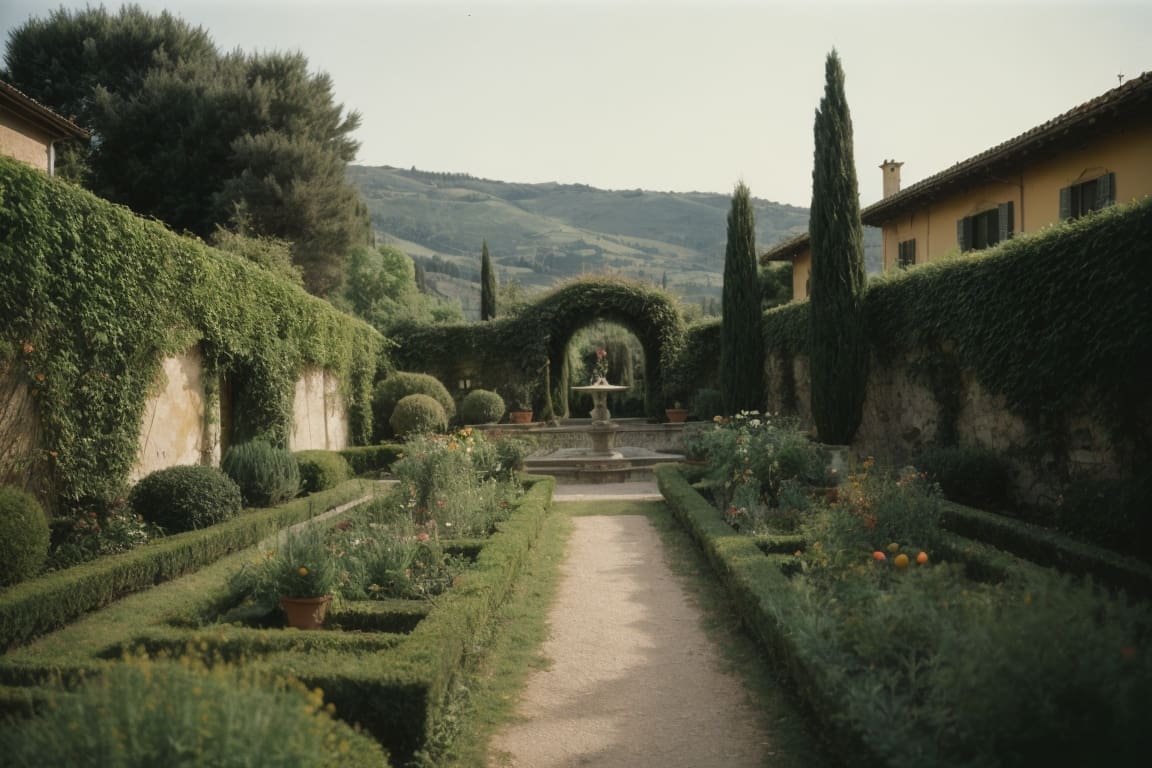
point(901, 417)
point(177, 428)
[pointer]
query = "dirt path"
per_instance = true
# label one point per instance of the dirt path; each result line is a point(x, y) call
point(634, 680)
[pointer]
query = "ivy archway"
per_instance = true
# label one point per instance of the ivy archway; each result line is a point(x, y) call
point(649, 314)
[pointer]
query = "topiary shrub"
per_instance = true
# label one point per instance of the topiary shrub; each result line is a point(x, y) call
point(969, 475)
point(267, 476)
point(481, 406)
point(418, 415)
point(1112, 513)
point(24, 536)
point(185, 498)
point(395, 387)
point(321, 470)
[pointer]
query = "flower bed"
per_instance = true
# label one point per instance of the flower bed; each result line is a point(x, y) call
point(973, 658)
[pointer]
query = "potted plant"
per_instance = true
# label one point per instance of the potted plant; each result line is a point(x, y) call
point(299, 576)
point(677, 414)
point(520, 412)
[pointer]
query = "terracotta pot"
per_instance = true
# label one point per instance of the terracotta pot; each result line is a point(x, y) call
point(305, 612)
point(676, 415)
point(520, 417)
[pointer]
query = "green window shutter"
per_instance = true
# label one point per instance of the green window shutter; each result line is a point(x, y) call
point(1105, 190)
point(1005, 216)
point(1065, 203)
point(964, 233)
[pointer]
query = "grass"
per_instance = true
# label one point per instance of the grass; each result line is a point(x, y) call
point(487, 701)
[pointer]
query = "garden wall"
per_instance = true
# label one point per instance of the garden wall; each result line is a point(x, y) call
point(1037, 350)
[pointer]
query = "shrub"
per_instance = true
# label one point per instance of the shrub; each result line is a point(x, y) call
point(185, 498)
point(394, 388)
point(481, 406)
point(370, 458)
point(321, 470)
point(969, 475)
point(23, 536)
point(145, 712)
point(267, 476)
point(1112, 513)
point(418, 415)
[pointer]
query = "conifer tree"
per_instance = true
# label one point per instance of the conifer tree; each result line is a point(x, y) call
point(741, 345)
point(838, 345)
point(487, 285)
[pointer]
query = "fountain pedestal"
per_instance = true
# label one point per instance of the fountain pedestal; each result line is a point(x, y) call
point(602, 432)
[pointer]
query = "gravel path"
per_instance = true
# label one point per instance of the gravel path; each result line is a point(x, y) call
point(634, 681)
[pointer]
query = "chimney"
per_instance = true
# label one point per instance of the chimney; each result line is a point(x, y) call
point(891, 170)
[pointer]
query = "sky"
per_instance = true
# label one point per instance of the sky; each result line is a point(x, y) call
point(681, 95)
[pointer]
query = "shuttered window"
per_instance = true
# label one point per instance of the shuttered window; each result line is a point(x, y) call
point(1087, 196)
point(985, 229)
point(906, 253)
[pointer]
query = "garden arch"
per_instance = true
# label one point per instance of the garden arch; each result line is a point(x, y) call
point(649, 314)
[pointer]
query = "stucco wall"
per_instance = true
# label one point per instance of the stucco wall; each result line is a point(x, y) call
point(21, 141)
point(319, 418)
point(1034, 191)
point(175, 428)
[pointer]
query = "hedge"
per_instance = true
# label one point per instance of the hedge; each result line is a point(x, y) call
point(38, 606)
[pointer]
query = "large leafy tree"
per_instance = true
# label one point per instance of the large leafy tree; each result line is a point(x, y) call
point(741, 343)
point(197, 139)
point(838, 345)
point(487, 285)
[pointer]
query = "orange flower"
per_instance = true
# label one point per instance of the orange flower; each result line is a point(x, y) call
point(28, 348)
point(303, 571)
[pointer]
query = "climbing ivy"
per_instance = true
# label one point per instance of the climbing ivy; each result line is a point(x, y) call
point(95, 298)
point(515, 350)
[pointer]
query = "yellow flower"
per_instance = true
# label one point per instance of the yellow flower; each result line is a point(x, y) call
point(303, 571)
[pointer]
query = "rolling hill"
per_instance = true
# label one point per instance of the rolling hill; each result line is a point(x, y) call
point(540, 234)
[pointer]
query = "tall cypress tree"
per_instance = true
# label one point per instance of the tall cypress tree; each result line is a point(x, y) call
point(741, 345)
point(487, 286)
point(837, 342)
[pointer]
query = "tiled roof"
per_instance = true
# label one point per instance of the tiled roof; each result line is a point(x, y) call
point(1133, 98)
point(33, 111)
point(786, 250)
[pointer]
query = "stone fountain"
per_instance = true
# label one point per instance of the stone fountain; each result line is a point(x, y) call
point(602, 461)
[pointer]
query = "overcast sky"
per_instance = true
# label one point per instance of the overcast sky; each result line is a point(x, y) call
point(682, 95)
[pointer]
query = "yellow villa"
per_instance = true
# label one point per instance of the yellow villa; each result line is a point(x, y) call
point(1094, 155)
point(30, 131)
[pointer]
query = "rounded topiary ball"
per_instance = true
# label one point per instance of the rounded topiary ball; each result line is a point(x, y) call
point(395, 387)
point(23, 536)
point(481, 406)
point(321, 470)
point(418, 415)
point(185, 498)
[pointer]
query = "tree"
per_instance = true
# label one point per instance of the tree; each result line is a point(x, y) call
point(487, 285)
point(741, 343)
point(838, 345)
point(201, 140)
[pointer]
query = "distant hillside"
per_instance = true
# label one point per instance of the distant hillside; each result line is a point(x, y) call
point(539, 234)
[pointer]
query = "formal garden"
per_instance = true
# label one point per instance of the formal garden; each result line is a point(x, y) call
point(971, 591)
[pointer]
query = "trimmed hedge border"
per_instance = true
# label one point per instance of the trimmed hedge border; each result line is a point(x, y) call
point(38, 606)
point(371, 458)
point(1050, 548)
point(394, 685)
point(765, 600)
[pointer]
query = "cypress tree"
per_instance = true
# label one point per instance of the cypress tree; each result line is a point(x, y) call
point(837, 343)
point(741, 345)
point(487, 286)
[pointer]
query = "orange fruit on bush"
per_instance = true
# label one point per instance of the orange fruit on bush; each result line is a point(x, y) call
point(922, 558)
point(901, 561)
point(893, 547)
point(878, 555)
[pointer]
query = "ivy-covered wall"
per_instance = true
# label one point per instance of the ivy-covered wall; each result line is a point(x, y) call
point(94, 298)
point(522, 349)
point(1043, 345)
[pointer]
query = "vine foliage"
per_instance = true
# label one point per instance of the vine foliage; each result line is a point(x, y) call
point(95, 298)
